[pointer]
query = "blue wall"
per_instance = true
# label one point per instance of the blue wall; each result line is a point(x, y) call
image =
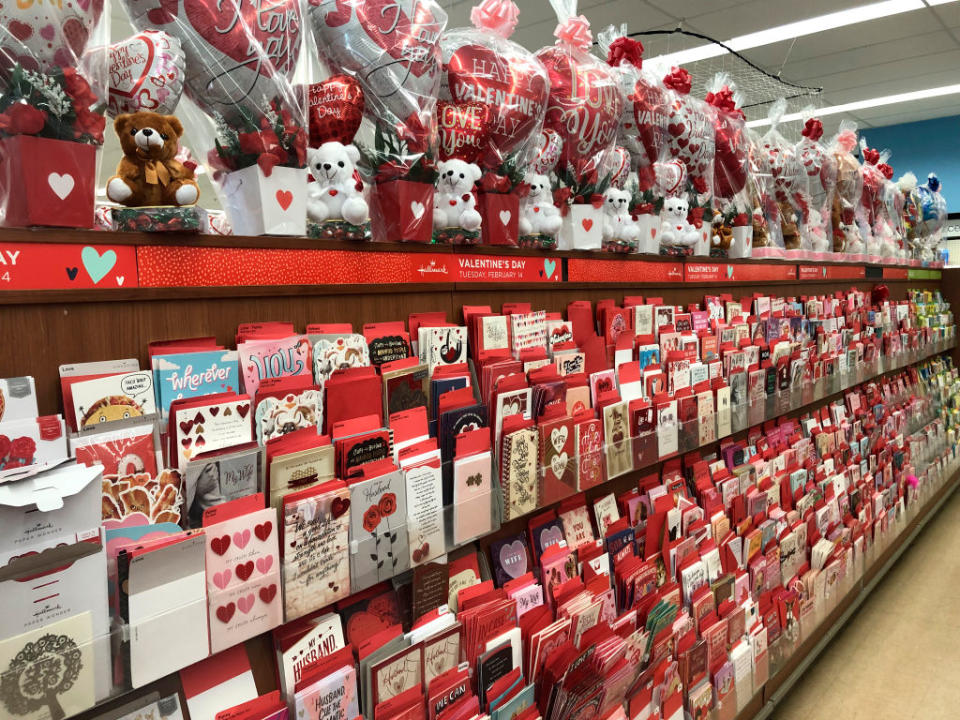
point(924, 147)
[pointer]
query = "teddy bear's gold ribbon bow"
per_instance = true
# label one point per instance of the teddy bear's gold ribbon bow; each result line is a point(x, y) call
point(154, 171)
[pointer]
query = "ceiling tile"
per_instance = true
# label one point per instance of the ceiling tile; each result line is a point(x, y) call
point(724, 24)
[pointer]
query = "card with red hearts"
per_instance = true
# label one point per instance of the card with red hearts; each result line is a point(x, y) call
point(316, 537)
point(243, 571)
point(205, 424)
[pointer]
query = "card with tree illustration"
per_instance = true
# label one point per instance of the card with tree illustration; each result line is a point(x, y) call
point(519, 473)
point(379, 547)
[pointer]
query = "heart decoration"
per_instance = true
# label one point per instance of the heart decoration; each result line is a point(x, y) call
point(61, 184)
point(264, 564)
point(513, 559)
point(671, 177)
point(268, 593)
point(245, 570)
point(284, 199)
point(339, 506)
point(618, 166)
point(464, 129)
point(220, 545)
point(237, 51)
point(240, 539)
point(72, 272)
point(550, 536)
point(97, 265)
point(242, 409)
point(417, 209)
point(549, 145)
point(47, 36)
point(334, 110)
point(650, 119)
point(502, 76)
point(690, 137)
point(245, 603)
point(558, 437)
point(505, 216)
point(225, 612)
point(146, 73)
point(584, 107)
point(732, 154)
point(391, 48)
point(587, 224)
point(263, 530)
point(222, 579)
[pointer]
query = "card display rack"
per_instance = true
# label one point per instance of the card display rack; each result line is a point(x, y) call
point(67, 296)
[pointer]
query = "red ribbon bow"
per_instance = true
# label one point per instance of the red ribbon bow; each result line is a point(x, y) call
point(625, 49)
point(886, 170)
point(561, 198)
point(871, 156)
point(493, 183)
point(722, 99)
point(678, 80)
point(812, 129)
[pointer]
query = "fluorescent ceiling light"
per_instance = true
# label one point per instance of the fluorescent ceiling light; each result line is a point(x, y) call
point(869, 103)
point(830, 21)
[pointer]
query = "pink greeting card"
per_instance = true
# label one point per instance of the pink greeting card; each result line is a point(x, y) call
point(274, 358)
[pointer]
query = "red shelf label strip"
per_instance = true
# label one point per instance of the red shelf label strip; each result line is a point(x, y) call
point(62, 266)
point(725, 272)
point(619, 270)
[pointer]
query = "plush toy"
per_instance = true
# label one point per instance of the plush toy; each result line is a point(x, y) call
point(819, 241)
point(149, 173)
point(538, 214)
point(721, 239)
point(788, 225)
point(454, 204)
point(675, 229)
point(337, 191)
point(618, 225)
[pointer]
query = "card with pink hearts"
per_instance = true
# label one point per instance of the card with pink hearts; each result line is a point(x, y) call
point(316, 540)
point(274, 358)
point(243, 571)
point(197, 427)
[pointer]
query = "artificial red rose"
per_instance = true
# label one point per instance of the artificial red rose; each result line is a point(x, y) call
point(23, 448)
point(699, 184)
point(299, 148)
point(644, 208)
point(371, 518)
point(89, 123)
point(388, 504)
point(78, 88)
point(11, 463)
point(252, 143)
point(4, 446)
point(25, 119)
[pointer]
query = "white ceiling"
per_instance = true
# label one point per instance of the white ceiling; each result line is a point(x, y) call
point(911, 51)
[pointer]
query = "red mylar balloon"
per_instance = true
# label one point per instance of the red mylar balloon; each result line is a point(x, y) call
point(584, 107)
point(650, 117)
point(513, 88)
point(464, 130)
point(335, 109)
point(732, 154)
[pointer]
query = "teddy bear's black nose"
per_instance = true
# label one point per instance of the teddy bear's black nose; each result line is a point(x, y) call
point(326, 166)
point(147, 132)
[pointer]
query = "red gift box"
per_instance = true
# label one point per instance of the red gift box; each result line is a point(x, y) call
point(47, 182)
point(501, 218)
point(402, 212)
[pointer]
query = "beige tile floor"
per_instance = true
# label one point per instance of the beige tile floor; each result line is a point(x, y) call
point(899, 656)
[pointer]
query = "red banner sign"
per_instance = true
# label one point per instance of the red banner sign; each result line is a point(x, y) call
point(695, 271)
point(832, 272)
point(896, 273)
point(622, 270)
point(173, 266)
point(55, 266)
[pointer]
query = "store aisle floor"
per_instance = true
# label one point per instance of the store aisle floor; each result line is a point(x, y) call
point(899, 656)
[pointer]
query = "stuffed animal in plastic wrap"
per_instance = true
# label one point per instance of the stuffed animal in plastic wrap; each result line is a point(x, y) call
point(620, 232)
point(149, 173)
point(820, 240)
point(676, 232)
point(907, 186)
point(337, 191)
point(933, 215)
point(846, 199)
point(538, 214)
point(455, 205)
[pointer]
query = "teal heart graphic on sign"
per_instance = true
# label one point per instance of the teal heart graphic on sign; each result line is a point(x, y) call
point(549, 266)
point(97, 265)
point(824, 271)
point(729, 272)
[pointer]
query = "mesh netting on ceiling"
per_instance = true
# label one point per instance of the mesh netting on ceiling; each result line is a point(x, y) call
point(758, 86)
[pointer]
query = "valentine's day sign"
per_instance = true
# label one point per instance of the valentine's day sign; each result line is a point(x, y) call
point(832, 272)
point(47, 35)
point(30, 266)
point(617, 270)
point(725, 272)
point(513, 268)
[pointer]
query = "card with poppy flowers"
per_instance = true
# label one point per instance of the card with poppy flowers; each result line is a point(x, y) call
point(243, 570)
point(316, 542)
point(379, 547)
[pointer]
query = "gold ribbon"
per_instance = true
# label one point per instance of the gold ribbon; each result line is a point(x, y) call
point(154, 171)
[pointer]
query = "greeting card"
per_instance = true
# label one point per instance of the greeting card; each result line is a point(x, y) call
point(279, 415)
point(425, 517)
point(114, 397)
point(274, 358)
point(519, 472)
point(18, 399)
point(218, 477)
point(588, 437)
point(316, 536)
point(616, 431)
point(446, 346)
point(379, 546)
point(202, 425)
point(193, 374)
point(472, 486)
point(336, 352)
point(397, 674)
point(510, 558)
point(557, 453)
point(331, 697)
point(243, 571)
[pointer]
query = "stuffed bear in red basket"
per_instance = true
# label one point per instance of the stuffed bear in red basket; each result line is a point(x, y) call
point(149, 174)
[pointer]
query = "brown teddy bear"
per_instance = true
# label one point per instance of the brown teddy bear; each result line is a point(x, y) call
point(149, 174)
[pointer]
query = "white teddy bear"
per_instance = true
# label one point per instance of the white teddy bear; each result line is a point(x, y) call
point(336, 194)
point(538, 214)
point(455, 205)
point(617, 221)
point(675, 230)
point(819, 242)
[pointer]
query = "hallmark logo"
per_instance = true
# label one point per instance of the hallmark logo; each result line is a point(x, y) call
point(432, 268)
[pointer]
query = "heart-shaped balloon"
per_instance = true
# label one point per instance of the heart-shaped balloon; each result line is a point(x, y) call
point(464, 129)
point(235, 49)
point(44, 36)
point(584, 107)
point(732, 159)
point(507, 79)
point(146, 73)
point(689, 137)
point(391, 47)
point(618, 166)
point(650, 118)
point(548, 150)
point(334, 109)
point(671, 177)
